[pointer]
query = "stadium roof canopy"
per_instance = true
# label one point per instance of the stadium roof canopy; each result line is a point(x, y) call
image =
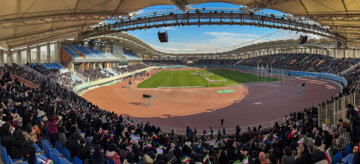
point(28, 22)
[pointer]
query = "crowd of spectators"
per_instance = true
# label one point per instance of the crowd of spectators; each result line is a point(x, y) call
point(95, 135)
point(42, 69)
point(300, 62)
point(163, 62)
point(129, 68)
point(92, 74)
point(217, 61)
point(63, 78)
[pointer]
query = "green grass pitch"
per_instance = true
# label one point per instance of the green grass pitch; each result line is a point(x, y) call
point(182, 78)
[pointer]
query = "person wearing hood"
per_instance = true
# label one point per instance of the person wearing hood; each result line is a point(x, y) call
point(288, 157)
point(98, 156)
point(17, 145)
point(354, 118)
point(160, 159)
point(304, 155)
point(112, 154)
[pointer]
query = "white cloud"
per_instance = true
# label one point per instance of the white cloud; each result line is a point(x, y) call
point(168, 28)
point(225, 34)
point(216, 42)
point(223, 41)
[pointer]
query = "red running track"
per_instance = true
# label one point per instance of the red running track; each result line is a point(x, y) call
point(265, 102)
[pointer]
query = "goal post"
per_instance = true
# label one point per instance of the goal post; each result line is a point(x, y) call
point(223, 81)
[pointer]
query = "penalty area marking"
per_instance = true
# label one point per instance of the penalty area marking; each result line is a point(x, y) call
point(257, 103)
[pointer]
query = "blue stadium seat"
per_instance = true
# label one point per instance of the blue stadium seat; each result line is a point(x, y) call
point(5, 157)
point(9, 161)
point(45, 142)
point(70, 51)
point(36, 146)
point(48, 152)
point(48, 149)
point(337, 157)
point(67, 154)
point(58, 160)
point(56, 152)
point(41, 144)
point(77, 161)
point(41, 158)
point(46, 134)
point(58, 147)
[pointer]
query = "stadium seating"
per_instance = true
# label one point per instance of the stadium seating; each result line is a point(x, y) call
point(84, 51)
point(96, 52)
point(52, 66)
point(105, 130)
point(71, 52)
point(87, 51)
point(129, 55)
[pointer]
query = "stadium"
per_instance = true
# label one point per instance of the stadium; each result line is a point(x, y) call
point(179, 81)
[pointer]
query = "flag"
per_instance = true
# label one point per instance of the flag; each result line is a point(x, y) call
point(148, 144)
point(154, 136)
point(185, 159)
point(290, 134)
point(226, 139)
point(314, 130)
point(100, 131)
point(301, 140)
point(105, 132)
point(265, 139)
point(245, 160)
point(329, 155)
point(236, 162)
point(130, 123)
point(275, 136)
point(144, 133)
point(161, 146)
point(211, 142)
point(206, 158)
point(132, 141)
point(42, 159)
point(293, 132)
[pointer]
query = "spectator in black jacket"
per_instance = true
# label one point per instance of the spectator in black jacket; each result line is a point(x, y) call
point(17, 145)
point(353, 116)
point(304, 155)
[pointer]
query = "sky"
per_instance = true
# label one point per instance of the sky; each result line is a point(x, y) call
point(214, 38)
